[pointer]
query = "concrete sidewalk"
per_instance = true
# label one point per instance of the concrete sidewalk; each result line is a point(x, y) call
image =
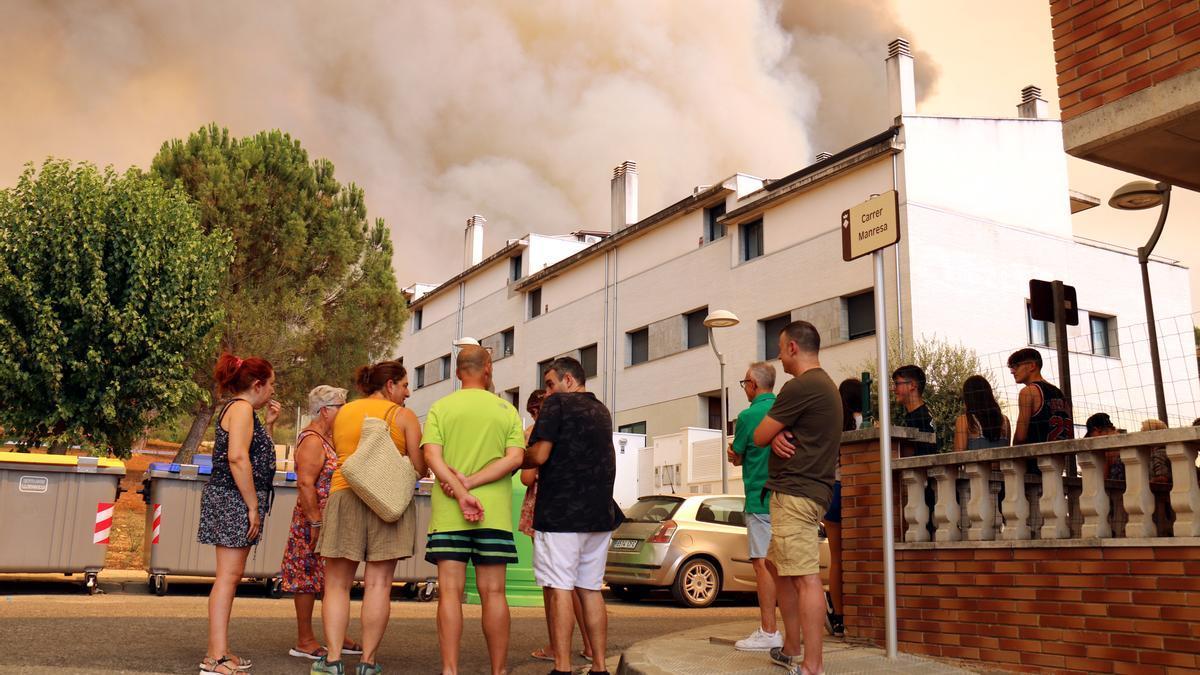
point(702, 651)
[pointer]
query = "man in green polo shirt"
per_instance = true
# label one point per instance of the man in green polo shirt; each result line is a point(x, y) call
point(758, 387)
point(473, 442)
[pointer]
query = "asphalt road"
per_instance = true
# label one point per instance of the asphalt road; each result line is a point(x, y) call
point(49, 626)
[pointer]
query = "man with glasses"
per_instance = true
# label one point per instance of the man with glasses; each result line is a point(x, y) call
point(759, 387)
point(908, 386)
point(1043, 412)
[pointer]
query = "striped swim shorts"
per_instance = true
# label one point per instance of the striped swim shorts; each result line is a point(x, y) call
point(481, 547)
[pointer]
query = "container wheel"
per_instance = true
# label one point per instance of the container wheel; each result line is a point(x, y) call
point(158, 584)
point(428, 591)
point(91, 583)
point(275, 587)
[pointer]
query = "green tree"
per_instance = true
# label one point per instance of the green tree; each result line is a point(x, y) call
point(946, 365)
point(108, 285)
point(311, 287)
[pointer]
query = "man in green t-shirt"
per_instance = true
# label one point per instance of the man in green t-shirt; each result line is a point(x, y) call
point(473, 442)
point(758, 386)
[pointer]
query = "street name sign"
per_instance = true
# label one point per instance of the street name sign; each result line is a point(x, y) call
point(870, 226)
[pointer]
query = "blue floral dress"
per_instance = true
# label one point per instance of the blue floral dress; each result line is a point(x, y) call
point(224, 518)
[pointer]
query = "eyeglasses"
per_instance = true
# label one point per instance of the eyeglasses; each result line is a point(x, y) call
point(744, 382)
point(897, 383)
point(334, 405)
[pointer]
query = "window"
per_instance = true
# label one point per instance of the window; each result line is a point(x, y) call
point(445, 363)
point(752, 239)
point(1101, 335)
point(712, 229)
point(587, 358)
point(514, 267)
point(543, 366)
point(1039, 331)
point(635, 428)
point(860, 315)
point(639, 346)
point(507, 343)
point(696, 332)
point(770, 335)
point(420, 376)
point(418, 317)
point(535, 303)
point(513, 396)
point(722, 510)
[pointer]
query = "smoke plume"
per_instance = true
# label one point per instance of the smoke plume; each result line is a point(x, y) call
point(517, 110)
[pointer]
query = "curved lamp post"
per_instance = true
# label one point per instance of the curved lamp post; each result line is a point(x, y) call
point(721, 318)
point(1135, 196)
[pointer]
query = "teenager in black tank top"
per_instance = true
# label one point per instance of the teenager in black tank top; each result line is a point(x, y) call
point(1051, 421)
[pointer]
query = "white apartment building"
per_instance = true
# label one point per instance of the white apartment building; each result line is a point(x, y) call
point(984, 208)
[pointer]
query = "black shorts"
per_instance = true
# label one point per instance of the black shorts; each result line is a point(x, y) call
point(481, 547)
point(834, 513)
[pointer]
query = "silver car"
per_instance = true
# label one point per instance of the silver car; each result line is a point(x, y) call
point(693, 544)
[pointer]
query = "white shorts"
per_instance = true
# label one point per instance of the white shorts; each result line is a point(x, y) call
point(570, 560)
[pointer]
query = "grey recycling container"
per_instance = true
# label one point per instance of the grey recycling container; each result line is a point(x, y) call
point(57, 513)
point(172, 493)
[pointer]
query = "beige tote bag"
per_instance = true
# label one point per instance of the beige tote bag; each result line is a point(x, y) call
point(382, 477)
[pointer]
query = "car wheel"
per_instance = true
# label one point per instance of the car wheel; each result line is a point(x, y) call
point(630, 593)
point(697, 584)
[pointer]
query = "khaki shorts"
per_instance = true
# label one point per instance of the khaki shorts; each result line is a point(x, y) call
point(794, 535)
point(351, 530)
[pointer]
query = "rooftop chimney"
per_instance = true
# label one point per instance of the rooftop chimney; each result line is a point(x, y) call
point(1032, 105)
point(901, 89)
point(624, 196)
point(473, 250)
point(822, 156)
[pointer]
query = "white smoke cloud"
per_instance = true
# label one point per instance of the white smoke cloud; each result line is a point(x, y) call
point(517, 110)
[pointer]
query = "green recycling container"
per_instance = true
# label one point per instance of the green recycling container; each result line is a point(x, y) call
point(519, 585)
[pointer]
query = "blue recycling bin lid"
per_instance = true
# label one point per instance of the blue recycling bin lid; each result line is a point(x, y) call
point(171, 467)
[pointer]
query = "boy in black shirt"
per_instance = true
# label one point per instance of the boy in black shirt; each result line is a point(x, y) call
point(908, 386)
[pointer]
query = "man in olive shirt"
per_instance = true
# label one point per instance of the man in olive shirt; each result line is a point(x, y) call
point(758, 386)
point(801, 474)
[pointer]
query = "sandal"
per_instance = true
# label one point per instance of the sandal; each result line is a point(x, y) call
point(313, 655)
point(541, 655)
point(238, 663)
point(352, 648)
point(221, 666)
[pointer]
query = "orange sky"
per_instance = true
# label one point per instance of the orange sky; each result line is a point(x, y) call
point(987, 51)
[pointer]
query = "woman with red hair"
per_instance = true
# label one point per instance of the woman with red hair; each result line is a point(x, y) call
point(237, 497)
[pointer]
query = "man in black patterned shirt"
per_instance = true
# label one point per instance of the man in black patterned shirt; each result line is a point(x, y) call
point(574, 515)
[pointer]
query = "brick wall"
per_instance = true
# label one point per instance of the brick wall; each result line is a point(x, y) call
point(1108, 49)
point(1110, 609)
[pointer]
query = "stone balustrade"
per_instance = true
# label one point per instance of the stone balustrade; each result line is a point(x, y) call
point(1048, 504)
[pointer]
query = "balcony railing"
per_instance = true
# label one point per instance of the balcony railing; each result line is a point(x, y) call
point(1048, 504)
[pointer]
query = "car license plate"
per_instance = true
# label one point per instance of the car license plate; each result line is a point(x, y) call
point(624, 544)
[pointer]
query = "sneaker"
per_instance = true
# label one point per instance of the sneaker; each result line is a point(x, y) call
point(322, 666)
point(837, 625)
point(784, 660)
point(759, 641)
point(368, 669)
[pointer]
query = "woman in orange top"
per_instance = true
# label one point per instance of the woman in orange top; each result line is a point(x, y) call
point(351, 532)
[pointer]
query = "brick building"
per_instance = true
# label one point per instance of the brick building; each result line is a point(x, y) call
point(1129, 84)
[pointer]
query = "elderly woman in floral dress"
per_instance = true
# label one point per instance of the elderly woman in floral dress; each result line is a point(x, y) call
point(303, 570)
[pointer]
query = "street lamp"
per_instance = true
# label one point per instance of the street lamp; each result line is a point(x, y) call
point(1135, 196)
point(721, 318)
